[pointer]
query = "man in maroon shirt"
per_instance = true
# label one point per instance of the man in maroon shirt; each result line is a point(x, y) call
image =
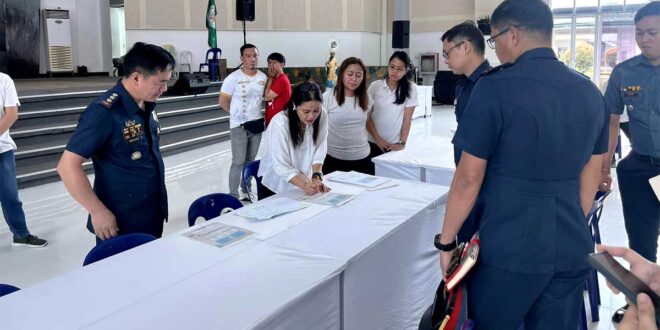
point(278, 89)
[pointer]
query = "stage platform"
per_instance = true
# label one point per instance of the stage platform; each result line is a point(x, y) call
point(44, 86)
point(49, 113)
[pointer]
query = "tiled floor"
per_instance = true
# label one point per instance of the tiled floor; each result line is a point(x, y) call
point(54, 215)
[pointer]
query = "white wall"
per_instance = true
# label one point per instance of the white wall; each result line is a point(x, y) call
point(94, 36)
point(431, 42)
point(485, 7)
point(301, 49)
point(90, 33)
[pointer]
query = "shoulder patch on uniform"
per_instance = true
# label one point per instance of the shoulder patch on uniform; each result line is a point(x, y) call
point(496, 69)
point(109, 100)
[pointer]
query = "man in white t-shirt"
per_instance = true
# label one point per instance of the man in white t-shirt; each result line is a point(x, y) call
point(12, 208)
point(241, 96)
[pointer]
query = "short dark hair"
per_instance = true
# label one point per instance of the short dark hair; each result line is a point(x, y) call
point(466, 31)
point(147, 59)
point(277, 57)
point(529, 15)
point(650, 9)
point(246, 46)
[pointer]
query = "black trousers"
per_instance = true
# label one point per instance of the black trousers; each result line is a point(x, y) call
point(363, 165)
point(641, 209)
point(265, 192)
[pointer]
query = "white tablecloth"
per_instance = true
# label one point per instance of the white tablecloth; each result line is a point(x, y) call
point(264, 288)
point(424, 101)
point(427, 159)
point(179, 283)
point(386, 236)
point(369, 264)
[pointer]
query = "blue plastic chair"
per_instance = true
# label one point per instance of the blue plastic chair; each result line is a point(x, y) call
point(116, 245)
point(593, 218)
point(6, 289)
point(213, 63)
point(617, 150)
point(593, 289)
point(211, 206)
point(250, 171)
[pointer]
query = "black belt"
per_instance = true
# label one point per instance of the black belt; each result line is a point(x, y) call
point(649, 159)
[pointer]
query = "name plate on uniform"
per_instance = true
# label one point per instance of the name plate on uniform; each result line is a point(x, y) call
point(132, 132)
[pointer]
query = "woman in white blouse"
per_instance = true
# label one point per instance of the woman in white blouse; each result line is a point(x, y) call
point(296, 144)
point(347, 106)
point(395, 99)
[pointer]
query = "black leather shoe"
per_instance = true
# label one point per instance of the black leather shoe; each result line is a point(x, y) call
point(618, 315)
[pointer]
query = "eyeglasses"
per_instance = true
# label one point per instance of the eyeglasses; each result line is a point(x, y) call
point(491, 40)
point(445, 52)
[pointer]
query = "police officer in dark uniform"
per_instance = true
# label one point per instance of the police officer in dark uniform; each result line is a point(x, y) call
point(533, 137)
point(635, 86)
point(464, 48)
point(120, 132)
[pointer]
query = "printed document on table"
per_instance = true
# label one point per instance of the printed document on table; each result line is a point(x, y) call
point(218, 234)
point(270, 208)
point(359, 179)
point(655, 184)
point(328, 198)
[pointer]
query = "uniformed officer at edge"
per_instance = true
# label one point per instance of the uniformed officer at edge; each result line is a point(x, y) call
point(120, 132)
point(533, 136)
point(635, 85)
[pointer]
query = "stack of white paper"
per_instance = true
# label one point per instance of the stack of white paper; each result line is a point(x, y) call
point(270, 208)
point(362, 180)
point(329, 198)
point(218, 234)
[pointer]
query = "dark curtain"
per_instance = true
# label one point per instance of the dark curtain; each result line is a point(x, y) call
point(19, 38)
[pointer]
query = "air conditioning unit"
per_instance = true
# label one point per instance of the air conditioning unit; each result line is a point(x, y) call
point(58, 40)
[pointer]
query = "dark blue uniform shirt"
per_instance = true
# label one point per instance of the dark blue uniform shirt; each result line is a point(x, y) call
point(123, 142)
point(463, 92)
point(537, 123)
point(635, 85)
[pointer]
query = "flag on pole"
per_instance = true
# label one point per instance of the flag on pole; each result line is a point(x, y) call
point(210, 24)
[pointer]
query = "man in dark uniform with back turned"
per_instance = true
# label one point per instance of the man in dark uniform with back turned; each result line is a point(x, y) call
point(120, 132)
point(533, 137)
point(635, 86)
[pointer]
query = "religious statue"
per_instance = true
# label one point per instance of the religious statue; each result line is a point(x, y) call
point(331, 65)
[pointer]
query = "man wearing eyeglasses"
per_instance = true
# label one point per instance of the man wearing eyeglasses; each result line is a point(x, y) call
point(463, 48)
point(635, 86)
point(533, 137)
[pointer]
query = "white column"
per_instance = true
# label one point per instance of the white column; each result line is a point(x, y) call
point(401, 10)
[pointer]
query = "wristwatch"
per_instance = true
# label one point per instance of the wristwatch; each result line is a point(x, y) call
point(402, 143)
point(318, 175)
point(443, 247)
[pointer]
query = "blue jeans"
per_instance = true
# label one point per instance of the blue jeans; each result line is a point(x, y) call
point(12, 208)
